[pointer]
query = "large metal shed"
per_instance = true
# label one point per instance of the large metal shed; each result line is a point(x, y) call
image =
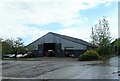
point(53, 44)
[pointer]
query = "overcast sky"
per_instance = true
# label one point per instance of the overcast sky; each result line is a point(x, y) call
point(31, 19)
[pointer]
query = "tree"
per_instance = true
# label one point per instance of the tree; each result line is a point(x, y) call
point(101, 36)
point(10, 46)
point(7, 47)
point(1, 45)
point(116, 46)
point(17, 46)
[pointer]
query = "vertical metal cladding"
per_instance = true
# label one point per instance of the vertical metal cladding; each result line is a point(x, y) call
point(53, 44)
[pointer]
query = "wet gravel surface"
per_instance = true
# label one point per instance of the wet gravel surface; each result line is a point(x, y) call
point(60, 68)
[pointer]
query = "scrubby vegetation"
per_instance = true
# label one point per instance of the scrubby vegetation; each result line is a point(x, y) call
point(89, 55)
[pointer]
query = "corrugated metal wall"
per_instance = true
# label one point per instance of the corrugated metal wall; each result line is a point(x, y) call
point(50, 38)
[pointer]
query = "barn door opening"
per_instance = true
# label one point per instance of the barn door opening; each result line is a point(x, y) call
point(69, 51)
point(49, 49)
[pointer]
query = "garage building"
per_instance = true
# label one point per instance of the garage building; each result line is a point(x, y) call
point(53, 44)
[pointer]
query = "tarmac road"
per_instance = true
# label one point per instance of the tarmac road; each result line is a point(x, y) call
point(60, 68)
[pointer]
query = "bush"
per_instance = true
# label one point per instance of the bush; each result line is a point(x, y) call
point(89, 55)
point(103, 50)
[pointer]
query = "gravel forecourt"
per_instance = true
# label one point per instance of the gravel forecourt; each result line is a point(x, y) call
point(59, 68)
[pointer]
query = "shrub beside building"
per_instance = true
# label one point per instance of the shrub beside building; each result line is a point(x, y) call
point(89, 55)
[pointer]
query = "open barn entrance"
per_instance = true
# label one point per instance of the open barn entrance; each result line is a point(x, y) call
point(69, 51)
point(49, 49)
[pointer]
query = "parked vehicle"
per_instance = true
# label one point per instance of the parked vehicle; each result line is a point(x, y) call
point(8, 55)
point(26, 55)
point(5, 56)
point(12, 55)
point(21, 55)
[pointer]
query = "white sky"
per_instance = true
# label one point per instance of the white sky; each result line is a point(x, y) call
point(31, 19)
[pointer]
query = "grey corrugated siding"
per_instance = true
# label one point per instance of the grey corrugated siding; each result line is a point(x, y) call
point(52, 38)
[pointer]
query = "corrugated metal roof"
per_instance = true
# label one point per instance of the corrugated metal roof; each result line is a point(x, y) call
point(76, 40)
point(80, 41)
